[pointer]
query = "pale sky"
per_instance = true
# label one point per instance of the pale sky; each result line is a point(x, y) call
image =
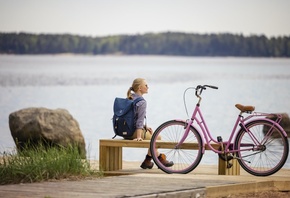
point(112, 17)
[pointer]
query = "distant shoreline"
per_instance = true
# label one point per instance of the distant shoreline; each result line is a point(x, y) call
point(165, 43)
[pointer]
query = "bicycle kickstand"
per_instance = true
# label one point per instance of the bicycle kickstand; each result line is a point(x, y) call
point(229, 165)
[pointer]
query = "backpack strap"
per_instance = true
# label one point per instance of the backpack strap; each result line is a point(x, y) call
point(138, 100)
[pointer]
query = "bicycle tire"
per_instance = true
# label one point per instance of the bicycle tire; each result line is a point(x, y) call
point(268, 154)
point(184, 159)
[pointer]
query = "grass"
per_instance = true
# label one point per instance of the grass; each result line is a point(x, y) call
point(42, 164)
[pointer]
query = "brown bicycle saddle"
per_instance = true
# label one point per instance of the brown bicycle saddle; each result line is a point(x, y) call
point(243, 108)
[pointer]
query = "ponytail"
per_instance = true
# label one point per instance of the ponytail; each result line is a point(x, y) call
point(129, 93)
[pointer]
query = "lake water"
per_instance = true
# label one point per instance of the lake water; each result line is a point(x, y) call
point(87, 85)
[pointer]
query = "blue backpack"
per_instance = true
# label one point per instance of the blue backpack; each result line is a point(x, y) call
point(123, 118)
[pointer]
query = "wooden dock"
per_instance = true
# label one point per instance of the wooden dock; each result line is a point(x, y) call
point(133, 181)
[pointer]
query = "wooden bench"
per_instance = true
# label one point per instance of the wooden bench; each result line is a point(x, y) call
point(111, 154)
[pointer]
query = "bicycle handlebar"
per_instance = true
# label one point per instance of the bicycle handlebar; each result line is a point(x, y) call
point(199, 88)
point(203, 87)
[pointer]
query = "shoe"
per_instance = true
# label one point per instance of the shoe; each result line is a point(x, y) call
point(162, 159)
point(147, 164)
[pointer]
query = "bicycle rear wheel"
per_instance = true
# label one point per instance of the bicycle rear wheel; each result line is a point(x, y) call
point(186, 157)
point(263, 150)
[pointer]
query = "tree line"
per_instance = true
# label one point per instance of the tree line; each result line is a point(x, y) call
point(167, 43)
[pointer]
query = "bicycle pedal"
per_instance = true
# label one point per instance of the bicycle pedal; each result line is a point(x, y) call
point(229, 165)
point(230, 157)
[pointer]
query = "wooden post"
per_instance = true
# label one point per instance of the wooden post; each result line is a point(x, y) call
point(223, 170)
point(110, 158)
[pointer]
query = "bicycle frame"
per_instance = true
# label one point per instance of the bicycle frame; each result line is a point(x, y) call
point(198, 118)
point(257, 141)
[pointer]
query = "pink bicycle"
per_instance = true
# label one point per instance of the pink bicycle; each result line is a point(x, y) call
point(259, 144)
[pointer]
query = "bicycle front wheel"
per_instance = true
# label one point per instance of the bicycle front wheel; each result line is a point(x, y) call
point(263, 149)
point(186, 156)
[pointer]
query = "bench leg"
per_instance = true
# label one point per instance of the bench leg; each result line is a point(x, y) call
point(223, 170)
point(110, 158)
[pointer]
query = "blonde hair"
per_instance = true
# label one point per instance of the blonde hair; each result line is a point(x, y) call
point(135, 86)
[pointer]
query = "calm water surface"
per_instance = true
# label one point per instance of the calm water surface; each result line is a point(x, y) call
point(87, 85)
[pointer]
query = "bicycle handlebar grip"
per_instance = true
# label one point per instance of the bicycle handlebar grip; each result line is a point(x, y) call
point(210, 86)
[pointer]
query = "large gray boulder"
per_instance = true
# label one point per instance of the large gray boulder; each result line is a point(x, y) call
point(32, 126)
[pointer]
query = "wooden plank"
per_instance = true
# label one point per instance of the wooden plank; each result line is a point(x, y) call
point(146, 144)
point(125, 143)
point(103, 157)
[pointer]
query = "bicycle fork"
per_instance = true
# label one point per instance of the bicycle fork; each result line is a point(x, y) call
point(187, 125)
